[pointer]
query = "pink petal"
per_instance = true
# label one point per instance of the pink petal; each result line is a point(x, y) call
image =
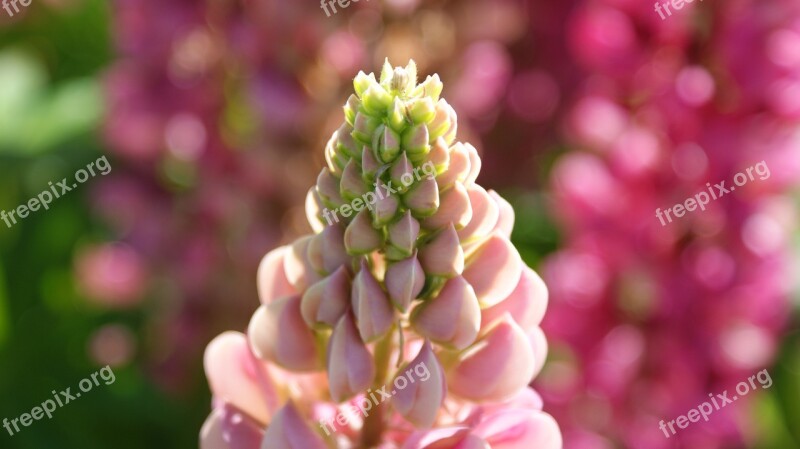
point(458, 168)
point(373, 310)
point(351, 368)
point(496, 367)
point(520, 429)
point(314, 210)
point(505, 222)
point(278, 333)
point(454, 208)
point(229, 428)
point(419, 402)
point(452, 318)
point(325, 302)
point(404, 281)
point(289, 431)
point(360, 237)
point(272, 280)
point(494, 270)
point(237, 377)
point(443, 256)
point(297, 266)
point(485, 214)
point(526, 304)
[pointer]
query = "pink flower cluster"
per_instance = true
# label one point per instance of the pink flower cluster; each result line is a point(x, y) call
point(647, 320)
point(428, 272)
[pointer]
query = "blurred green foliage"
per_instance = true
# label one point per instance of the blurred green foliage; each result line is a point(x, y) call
point(50, 109)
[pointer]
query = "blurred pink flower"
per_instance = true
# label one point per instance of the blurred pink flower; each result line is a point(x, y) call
point(113, 275)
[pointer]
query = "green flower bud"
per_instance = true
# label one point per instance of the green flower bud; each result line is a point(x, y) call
point(376, 100)
point(350, 109)
point(396, 118)
point(422, 110)
point(415, 142)
point(388, 144)
point(362, 82)
point(364, 127)
point(431, 87)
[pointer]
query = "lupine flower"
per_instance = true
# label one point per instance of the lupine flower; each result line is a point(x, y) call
point(470, 321)
point(209, 112)
point(647, 320)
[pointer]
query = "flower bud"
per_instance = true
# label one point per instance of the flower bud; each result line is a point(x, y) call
point(278, 333)
point(422, 110)
point(376, 100)
point(365, 127)
point(458, 167)
point(403, 234)
point(404, 281)
point(350, 109)
point(485, 214)
point(351, 185)
point(439, 156)
point(345, 143)
point(526, 304)
point(298, 268)
point(334, 158)
point(450, 135)
point(474, 165)
point(369, 165)
point(494, 270)
point(505, 221)
point(431, 88)
point(452, 318)
point(334, 253)
point(388, 144)
point(314, 210)
point(396, 116)
point(402, 173)
point(360, 237)
point(419, 402)
point(351, 368)
point(415, 142)
point(325, 302)
point(539, 344)
point(400, 80)
point(423, 198)
point(385, 206)
point(288, 430)
point(443, 256)
point(272, 281)
point(454, 208)
point(328, 189)
point(496, 367)
point(373, 311)
point(442, 122)
point(362, 82)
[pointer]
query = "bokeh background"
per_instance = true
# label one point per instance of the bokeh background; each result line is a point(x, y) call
point(589, 115)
